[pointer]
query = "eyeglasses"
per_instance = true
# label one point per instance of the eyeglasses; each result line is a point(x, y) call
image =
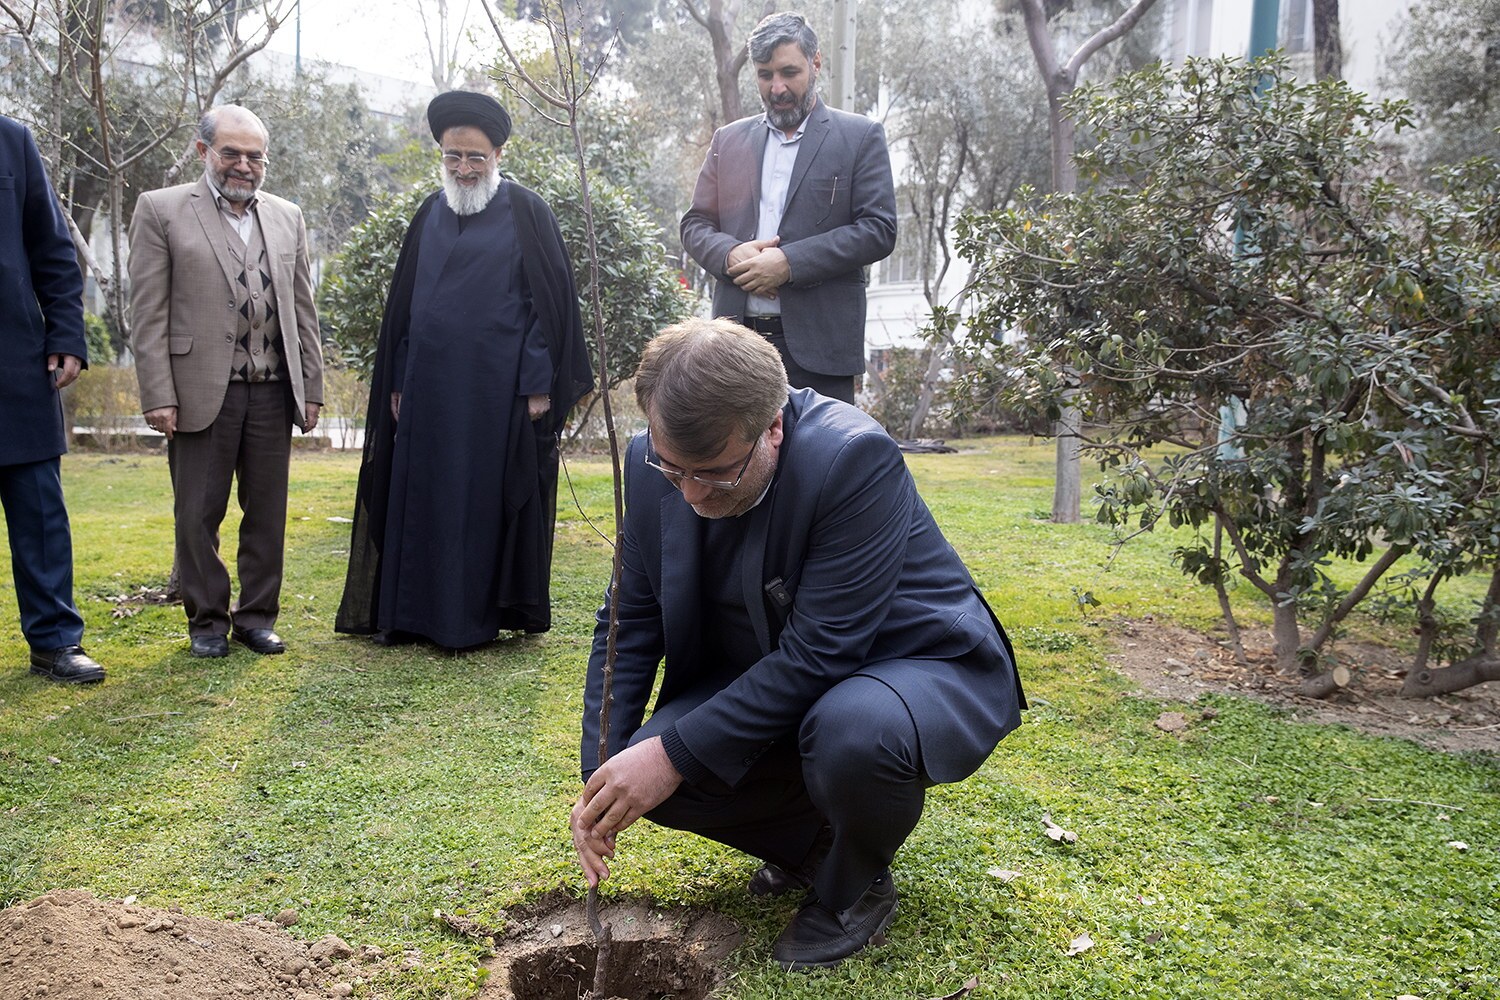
point(676, 476)
point(476, 160)
point(233, 156)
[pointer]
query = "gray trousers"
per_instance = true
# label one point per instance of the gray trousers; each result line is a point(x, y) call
point(855, 766)
point(249, 442)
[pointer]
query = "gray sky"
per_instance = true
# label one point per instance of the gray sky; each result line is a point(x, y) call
point(379, 36)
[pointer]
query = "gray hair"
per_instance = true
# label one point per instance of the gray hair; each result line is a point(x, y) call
point(208, 124)
point(775, 30)
point(704, 379)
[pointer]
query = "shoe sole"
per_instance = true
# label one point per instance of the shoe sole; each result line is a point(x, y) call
point(260, 652)
point(877, 937)
point(214, 655)
point(54, 678)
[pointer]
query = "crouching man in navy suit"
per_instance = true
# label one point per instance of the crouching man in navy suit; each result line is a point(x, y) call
point(825, 655)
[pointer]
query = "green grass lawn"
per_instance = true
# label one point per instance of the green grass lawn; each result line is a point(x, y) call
point(1252, 856)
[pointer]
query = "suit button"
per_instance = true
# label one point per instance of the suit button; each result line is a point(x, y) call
point(228, 338)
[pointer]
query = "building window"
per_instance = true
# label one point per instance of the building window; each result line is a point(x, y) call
point(1297, 26)
point(904, 265)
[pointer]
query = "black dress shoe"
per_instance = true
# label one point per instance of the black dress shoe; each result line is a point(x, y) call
point(66, 665)
point(209, 646)
point(773, 880)
point(818, 938)
point(259, 640)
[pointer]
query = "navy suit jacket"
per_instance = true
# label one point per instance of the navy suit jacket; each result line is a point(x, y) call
point(41, 302)
point(840, 216)
point(844, 572)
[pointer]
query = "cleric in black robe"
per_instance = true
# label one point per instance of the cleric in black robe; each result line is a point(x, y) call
point(481, 358)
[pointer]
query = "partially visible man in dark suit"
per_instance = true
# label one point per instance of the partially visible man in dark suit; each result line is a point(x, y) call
point(42, 349)
point(825, 654)
point(789, 209)
point(228, 358)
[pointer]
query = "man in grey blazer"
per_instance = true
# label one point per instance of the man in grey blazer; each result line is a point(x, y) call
point(228, 358)
point(790, 207)
point(824, 656)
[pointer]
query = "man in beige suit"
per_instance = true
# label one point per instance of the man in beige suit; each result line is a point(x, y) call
point(227, 354)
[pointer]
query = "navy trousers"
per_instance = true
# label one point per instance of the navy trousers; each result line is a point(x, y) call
point(855, 766)
point(41, 553)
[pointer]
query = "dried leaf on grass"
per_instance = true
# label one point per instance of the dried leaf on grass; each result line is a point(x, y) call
point(463, 925)
point(1056, 832)
point(1171, 722)
point(962, 991)
point(1003, 874)
point(1081, 944)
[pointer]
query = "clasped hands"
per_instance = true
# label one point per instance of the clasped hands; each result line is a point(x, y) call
point(625, 788)
point(760, 267)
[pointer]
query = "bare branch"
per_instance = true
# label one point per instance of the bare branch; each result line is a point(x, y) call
point(1104, 36)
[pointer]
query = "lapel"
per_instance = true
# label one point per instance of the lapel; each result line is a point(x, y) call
point(681, 558)
point(202, 200)
point(758, 139)
point(753, 566)
point(818, 126)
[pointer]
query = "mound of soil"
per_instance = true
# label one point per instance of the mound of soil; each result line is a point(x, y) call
point(69, 944)
point(1173, 662)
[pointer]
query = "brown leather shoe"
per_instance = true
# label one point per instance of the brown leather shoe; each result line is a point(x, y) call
point(66, 665)
point(259, 640)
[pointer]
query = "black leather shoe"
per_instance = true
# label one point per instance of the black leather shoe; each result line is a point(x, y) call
point(773, 880)
point(819, 938)
point(209, 646)
point(66, 665)
point(259, 640)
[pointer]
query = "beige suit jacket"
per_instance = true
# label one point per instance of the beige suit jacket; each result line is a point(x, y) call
point(182, 302)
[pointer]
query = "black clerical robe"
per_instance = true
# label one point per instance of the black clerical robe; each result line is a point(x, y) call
point(454, 513)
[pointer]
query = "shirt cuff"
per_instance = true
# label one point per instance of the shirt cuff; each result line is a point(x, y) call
point(690, 767)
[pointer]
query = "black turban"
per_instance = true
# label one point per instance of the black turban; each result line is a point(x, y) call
point(457, 108)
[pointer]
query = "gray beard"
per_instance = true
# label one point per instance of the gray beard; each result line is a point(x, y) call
point(787, 119)
point(473, 200)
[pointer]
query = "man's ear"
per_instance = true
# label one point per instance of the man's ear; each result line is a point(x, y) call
point(776, 431)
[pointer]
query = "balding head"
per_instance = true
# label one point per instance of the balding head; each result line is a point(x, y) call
point(233, 116)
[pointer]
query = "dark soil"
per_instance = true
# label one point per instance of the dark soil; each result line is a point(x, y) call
point(547, 952)
point(69, 944)
point(1173, 662)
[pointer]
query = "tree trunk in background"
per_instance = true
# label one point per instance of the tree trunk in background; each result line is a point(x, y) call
point(720, 18)
point(1060, 78)
point(1328, 49)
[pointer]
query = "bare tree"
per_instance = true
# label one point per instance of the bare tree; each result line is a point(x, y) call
point(123, 81)
point(1061, 78)
point(560, 101)
point(1328, 50)
point(720, 18)
point(443, 36)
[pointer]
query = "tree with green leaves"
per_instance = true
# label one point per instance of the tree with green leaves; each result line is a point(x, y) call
point(1446, 59)
point(1249, 246)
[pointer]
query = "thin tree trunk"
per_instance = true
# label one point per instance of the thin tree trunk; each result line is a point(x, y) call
point(1328, 49)
point(1067, 490)
point(936, 356)
point(1483, 666)
point(1230, 624)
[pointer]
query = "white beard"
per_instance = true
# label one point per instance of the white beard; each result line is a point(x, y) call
point(470, 200)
